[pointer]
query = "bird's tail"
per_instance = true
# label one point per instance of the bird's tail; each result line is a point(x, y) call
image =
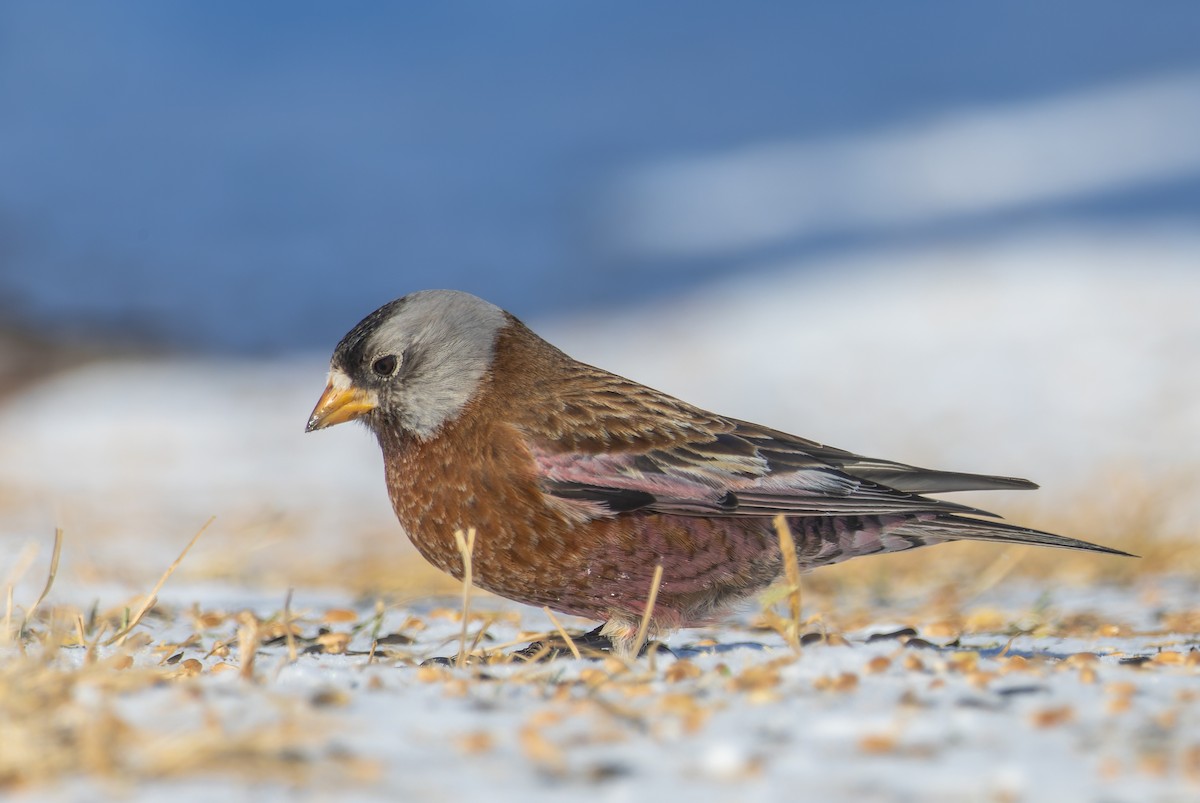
point(824, 540)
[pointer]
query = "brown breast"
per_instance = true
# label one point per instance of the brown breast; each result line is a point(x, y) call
point(478, 472)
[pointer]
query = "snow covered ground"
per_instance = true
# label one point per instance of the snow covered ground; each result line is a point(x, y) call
point(1069, 357)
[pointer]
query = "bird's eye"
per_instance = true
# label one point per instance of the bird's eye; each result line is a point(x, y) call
point(384, 366)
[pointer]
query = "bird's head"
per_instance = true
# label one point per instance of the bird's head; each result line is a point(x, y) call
point(413, 364)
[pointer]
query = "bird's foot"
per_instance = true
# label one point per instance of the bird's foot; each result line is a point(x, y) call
point(452, 661)
point(593, 644)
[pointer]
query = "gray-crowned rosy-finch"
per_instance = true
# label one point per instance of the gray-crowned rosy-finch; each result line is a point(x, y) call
point(579, 482)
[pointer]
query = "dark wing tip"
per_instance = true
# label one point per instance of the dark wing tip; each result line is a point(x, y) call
point(617, 500)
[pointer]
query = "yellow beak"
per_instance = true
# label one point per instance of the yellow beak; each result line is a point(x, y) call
point(340, 403)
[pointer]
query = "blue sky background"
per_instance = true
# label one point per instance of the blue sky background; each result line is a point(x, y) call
point(257, 176)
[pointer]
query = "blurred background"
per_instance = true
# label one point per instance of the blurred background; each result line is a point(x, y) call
point(931, 231)
point(256, 177)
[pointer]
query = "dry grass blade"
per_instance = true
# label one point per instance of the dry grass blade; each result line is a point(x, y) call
point(153, 596)
point(480, 634)
point(293, 654)
point(247, 639)
point(466, 548)
point(562, 632)
point(89, 655)
point(525, 638)
point(791, 568)
point(644, 627)
point(8, 611)
point(58, 539)
point(80, 629)
point(22, 564)
point(288, 636)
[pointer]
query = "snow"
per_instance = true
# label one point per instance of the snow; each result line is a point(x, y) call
point(1060, 356)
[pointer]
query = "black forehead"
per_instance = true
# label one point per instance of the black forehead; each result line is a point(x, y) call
point(351, 351)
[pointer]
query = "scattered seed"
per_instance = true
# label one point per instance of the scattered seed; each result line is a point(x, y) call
point(339, 615)
point(963, 662)
point(1117, 705)
point(188, 668)
point(943, 629)
point(1053, 717)
point(1015, 663)
point(980, 680)
point(756, 677)
point(210, 620)
point(432, 673)
point(1154, 764)
point(120, 661)
point(541, 750)
point(879, 663)
point(844, 682)
point(681, 670)
point(985, 621)
point(333, 643)
point(877, 743)
point(330, 698)
point(1191, 762)
point(475, 742)
point(1080, 659)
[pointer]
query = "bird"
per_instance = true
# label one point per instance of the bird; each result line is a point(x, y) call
point(580, 483)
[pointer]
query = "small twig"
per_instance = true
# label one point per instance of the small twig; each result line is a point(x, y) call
point(80, 630)
point(562, 632)
point(644, 627)
point(481, 633)
point(153, 597)
point(89, 655)
point(524, 638)
point(247, 639)
point(791, 569)
point(58, 538)
point(288, 637)
point(380, 611)
point(466, 548)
